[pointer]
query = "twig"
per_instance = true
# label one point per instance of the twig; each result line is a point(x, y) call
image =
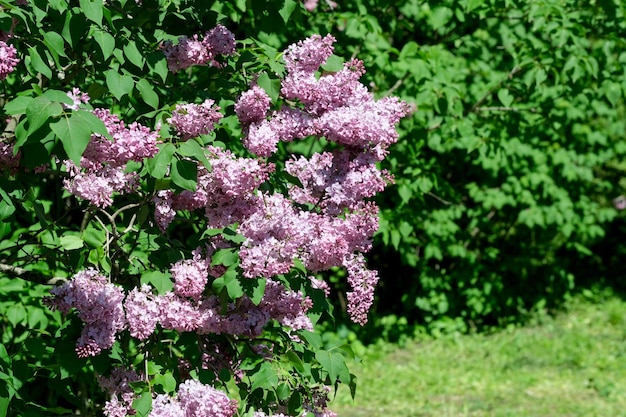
point(481, 100)
point(504, 108)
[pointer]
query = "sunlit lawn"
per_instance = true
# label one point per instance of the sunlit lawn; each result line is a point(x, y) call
point(570, 365)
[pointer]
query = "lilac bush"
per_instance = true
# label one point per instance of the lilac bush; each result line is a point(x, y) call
point(202, 229)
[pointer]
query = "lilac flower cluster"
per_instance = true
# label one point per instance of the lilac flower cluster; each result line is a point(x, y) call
point(78, 98)
point(102, 169)
point(99, 307)
point(191, 120)
point(338, 224)
point(117, 385)
point(8, 59)
point(105, 311)
point(225, 193)
point(194, 399)
point(193, 51)
point(8, 161)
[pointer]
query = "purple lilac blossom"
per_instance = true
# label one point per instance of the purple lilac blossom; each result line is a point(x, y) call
point(190, 276)
point(117, 385)
point(193, 51)
point(8, 59)
point(103, 164)
point(78, 97)
point(99, 307)
point(142, 312)
point(362, 281)
point(201, 400)
point(8, 161)
point(252, 106)
point(192, 120)
point(230, 185)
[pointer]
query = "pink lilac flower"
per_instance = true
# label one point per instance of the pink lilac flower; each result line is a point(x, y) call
point(99, 307)
point(8, 59)
point(98, 188)
point(253, 105)
point(117, 385)
point(8, 161)
point(178, 313)
point(365, 124)
point(193, 51)
point(142, 312)
point(287, 124)
point(327, 92)
point(286, 306)
point(307, 55)
point(220, 40)
point(194, 399)
point(163, 212)
point(103, 164)
point(268, 249)
point(166, 406)
point(192, 120)
point(78, 97)
point(190, 276)
point(362, 281)
point(225, 192)
point(311, 5)
point(201, 400)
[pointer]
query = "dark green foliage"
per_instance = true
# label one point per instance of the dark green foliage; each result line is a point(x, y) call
point(506, 172)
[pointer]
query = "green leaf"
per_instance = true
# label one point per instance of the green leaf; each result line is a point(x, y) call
point(39, 110)
point(271, 86)
point(147, 93)
point(265, 377)
point(74, 134)
point(143, 404)
point(159, 280)
point(184, 173)
point(55, 43)
point(18, 105)
point(92, 10)
point(334, 364)
point(93, 122)
point(333, 64)
point(473, 4)
point(288, 7)
point(158, 64)
point(294, 406)
point(167, 382)
point(105, 41)
point(254, 288)
point(233, 286)
point(71, 242)
point(226, 257)
point(505, 97)
point(6, 205)
point(119, 85)
point(295, 361)
point(159, 164)
point(192, 149)
point(132, 53)
point(38, 63)
point(16, 314)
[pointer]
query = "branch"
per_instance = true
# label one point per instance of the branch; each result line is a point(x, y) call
point(31, 276)
point(481, 100)
point(503, 108)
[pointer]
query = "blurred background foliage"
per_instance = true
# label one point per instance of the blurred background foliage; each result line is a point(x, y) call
point(506, 174)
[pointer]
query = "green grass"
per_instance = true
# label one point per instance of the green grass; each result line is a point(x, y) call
point(571, 365)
